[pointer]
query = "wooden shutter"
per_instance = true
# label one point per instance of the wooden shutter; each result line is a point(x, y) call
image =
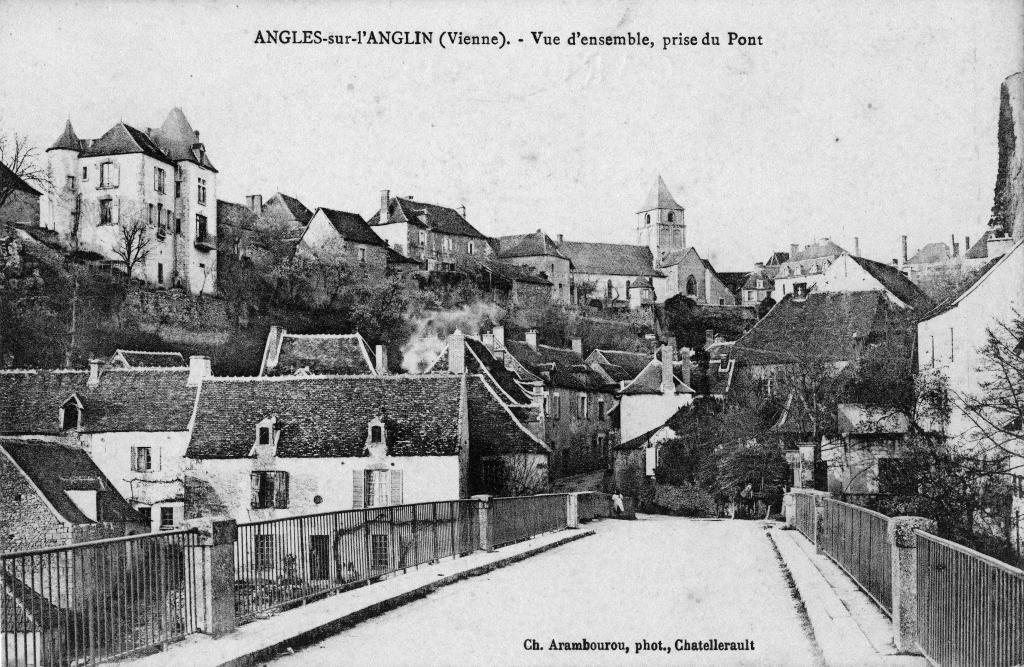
point(115, 211)
point(281, 490)
point(358, 482)
point(254, 484)
point(135, 458)
point(396, 487)
point(115, 174)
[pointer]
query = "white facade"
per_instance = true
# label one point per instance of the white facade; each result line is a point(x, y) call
point(846, 275)
point(644, 412)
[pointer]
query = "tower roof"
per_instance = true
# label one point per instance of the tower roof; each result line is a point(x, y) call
point(68, 140)
point(660, 198)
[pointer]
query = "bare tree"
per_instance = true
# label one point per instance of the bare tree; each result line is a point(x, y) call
point(23, 159)
point(134, 243)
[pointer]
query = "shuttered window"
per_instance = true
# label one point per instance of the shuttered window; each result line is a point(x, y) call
point(376, 488)
point(269, 489)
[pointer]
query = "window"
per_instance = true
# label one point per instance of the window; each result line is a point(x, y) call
point(177, 224)
point(581, 410)
point(263, 548)
point(151, 214)
point(378, 491)
point(106, 212)
point(628, 287)
point(470, 248)
point(608, 289)
point(448, 245)
point(600, 409)
point(647, 218)
point(423, 238)
point(671, 216)
point(760, 283)
point(166, 518)
point(263, 435)
point(142, 459)
point(201, 194)
point(556, 405)
point(379, 552)
point(160, 274)
point(85, 173)
point(71, 415)
point(691, 286)
point(200, 227)
point(159, 180)
point(721, 302)
point(109, 175)
point(167, 218)
point(376, 433)
point(71, 182)
point(602, 444)
point(362, 255)
point(269, 489)
point(177, 188)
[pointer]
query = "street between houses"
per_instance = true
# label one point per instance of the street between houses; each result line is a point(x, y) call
point(656, 580)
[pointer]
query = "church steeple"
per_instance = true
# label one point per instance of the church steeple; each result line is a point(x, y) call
point(661, 223)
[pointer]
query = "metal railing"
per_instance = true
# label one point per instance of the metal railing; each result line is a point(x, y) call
point(519, 518)
point(101, 600)
point(594, 505)
point(857, 540)
point(283, 562)
point(970, 606)
point(804, 514)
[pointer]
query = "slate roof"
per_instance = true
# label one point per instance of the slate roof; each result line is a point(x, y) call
point(8, 179)
point(733, 280)
point(649, 382)
point(537, 244)
point(931, 253)
point(980, 248)
point(480, 360)
point(395, 258)
point(896, 282)
point(777, 258)
point(143, 359)
point(759, 274)
point(323, 354)
point(351, 226)
point(123, 139)
point(179, 141)
point(561, 367)
point(659, 197)
point(68, 140)
point(615, 259)
point(631, 363)
point(823, 327)
point(125, 400)
point(432, 216)
point(236, 215)
point(56, 469)
point(287, 208)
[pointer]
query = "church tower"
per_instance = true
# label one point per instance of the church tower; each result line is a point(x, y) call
point(661, 224)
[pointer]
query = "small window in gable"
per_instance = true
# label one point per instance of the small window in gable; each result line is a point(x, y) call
point(266, 437)
point(71, 414)
point(376, 433)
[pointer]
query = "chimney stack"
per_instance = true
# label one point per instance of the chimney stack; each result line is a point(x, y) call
point(685, 355)
point(967, 244)
point(903, 245)
point(709, 338)
point(255, 203)
point(577, 346)
point(382, 360)
point(457, 353)
point(499, 336)
point(794, 248)
point(198, 368)
point(856, 246)
point(668, 384)
point(462, 211)
point(531, 339)
point(561, 239)
point(488, 340)
point(385, 198)
point(94, 372)
point(955, 246)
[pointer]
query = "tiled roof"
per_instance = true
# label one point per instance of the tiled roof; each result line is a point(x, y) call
point(323, 354)
point(236, 215)
point(56, 469)
point(512, 272)
point(125, 400)
point(396, 258)
point(816, 250)
point(351, 226)
point(931, 253)
point(649, 382)
point(759, 274)
point(537, 244)
point(142, 359)
point(493, 427)
point(632, 363)
point(777, 258)
point(896, 282)
point(480, 360)
point(615, 259)
point(68, 140)
point(560, 366)
point(179, 141)
point(432, 216)
point(124, 140)
point(284, 207)
point(8, 179)
point(734, 280)
point(660, 198)
point(980, 248)
point(823, 327)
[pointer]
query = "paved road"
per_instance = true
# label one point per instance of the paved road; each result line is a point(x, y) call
point(657, 579)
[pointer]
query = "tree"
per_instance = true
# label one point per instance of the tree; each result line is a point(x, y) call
point(23, 159)
point(584, 290)
point(134, 242)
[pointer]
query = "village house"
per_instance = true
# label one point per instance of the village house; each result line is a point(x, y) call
point(657, 393)
point(320, 354)
point(538, 252)
point(158, 184)
point(270, 447)
point(619, 367)
point(513, 284)
point(438, 237)
point(687, 273)
point(132, 422)
point(805, 268)
point(239, 233)
point(339, 237)
point(281, 215)
point(758, 286)
point(849, 273)
point(22, 203)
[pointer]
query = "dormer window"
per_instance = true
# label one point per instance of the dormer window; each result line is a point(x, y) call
point(267, 434)
point(377, 438)
point(70, 415)
point(264, 435)
point(376, 434)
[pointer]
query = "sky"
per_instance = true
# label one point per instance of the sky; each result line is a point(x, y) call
point(866, 119)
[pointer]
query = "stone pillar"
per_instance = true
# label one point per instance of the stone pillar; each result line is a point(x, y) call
point(213, 567)
point(572, 510)
point(484, 519)
point(789, 509)
point(904, 579)
point(819, 520)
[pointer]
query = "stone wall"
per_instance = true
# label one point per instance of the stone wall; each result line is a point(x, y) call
point(26, 521)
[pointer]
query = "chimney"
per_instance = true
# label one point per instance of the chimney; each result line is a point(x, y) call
point(198, 368)
point(457, 353)
point(895, 262)
point(499, 336)
point(672, 343)
point(382, 360)
point(903, 244)
point(856, 246)
point(561, 239)
point(709, 338)
point(274, 337)
point(955, 246)
point(668, 357)
point(488, 340)
point(385, 197)
point(255, 203)
point(531, 339)
point(793, 250)
point(577, 346)
point(684, 369)
point(758, 265)
point(967, 244)
point(94, 372)
point(462, 211)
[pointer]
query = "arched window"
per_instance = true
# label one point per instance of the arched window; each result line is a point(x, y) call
point(648, 218)
point(70, 415)
point(691, 286)
point(671, 216)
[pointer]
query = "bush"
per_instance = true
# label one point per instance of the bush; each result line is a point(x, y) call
point(684, 500)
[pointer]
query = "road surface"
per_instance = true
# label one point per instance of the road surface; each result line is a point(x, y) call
point(658, 579)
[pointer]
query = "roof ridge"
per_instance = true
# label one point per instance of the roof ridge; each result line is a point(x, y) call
point(35, 371)
point(147, 352)
point(322, 335)
point(306, 378)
